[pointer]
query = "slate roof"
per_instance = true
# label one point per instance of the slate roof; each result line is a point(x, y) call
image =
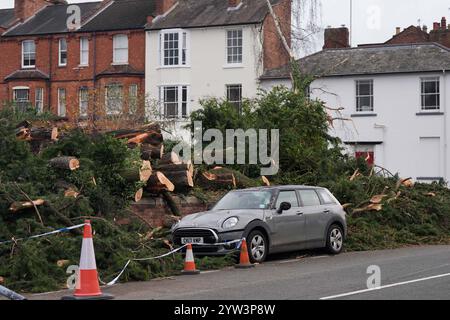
point(207, 13)
point(120, 70)
point(50, 20)
point(27, 75)
point(6, 17)
point(121, 15)
point(379, 59)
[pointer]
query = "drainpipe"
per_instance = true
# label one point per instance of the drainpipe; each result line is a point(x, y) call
point(444, 93)
point(49, 86)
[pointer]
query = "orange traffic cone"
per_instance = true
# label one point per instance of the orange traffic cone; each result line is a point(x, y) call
point(244, 260)
point(87, 286)
point(189, 263)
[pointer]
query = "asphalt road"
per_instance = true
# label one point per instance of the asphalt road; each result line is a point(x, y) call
point(410, 273)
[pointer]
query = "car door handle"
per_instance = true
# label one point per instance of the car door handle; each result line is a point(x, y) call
point(326, 211)
point(299, 213)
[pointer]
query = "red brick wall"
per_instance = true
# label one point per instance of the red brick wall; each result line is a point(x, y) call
point(274, 52)
point(72, 76)
point(26, 8)
point(410, 35)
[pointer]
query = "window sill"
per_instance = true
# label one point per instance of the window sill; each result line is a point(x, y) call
point(363, 115)
point(81, 66)
point(174, 67)
point(430, 113)
point(29, 67)
point(430, 179)
point(233, 66)
point(119, 63)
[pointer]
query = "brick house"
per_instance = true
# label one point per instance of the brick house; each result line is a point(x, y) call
point(98, 67)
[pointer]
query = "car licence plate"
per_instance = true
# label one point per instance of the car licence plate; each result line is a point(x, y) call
point(193, 240)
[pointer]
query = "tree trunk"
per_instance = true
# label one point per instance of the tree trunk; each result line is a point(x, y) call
point(66, 163)
point(23, 133)
point(168, 168)
point(19, 206)
point(182, 180)
point(171, 204)
point(138, 173)
point(138, 195)
point(44, 134)
point(158, 183)
point(217, 181)
point(169, 158)
point(265, 181)
point(149, 152)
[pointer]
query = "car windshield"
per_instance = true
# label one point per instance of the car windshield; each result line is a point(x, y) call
point(245, 200)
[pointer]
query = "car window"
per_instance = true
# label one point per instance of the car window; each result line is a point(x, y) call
point(309, 198)
point(326, 197)
point(245, 200)
point(287, 196)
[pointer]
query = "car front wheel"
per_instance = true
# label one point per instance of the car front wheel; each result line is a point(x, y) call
point(335, 239)
point(257, 246)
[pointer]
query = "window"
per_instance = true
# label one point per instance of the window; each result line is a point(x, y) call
point(84, 51)
point(120, 45)
point(287, 196)
point(21, 98)
point(174, 48)
point(39, 99)
point(234, 95)
point(175, 101)
point(132, 98)
point(114, 99)
point(28, 54)
point(234, 46)
point(62, 102)
point(327, 198)
point(83, 96)
point(366, 152)
point(364, 95)
point(62, 52)
point(309, 198)
point(430, 93)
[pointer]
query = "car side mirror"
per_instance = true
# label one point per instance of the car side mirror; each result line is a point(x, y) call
point(284, 206)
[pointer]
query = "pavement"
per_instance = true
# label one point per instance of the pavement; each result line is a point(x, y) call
point(408, 273)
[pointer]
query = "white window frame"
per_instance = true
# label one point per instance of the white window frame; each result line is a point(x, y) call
point(39, 99)
point(15, 89)
point(107, 88)
point(370, 95)
point(29, 53)
point(227, 47)
point(81, 101)
point(424, 108)
point(84, 40)
point(116, 48)
point(62, 102)
point(237, 103)
point(179, 101)
point(183, 48)
point(61, 51)
point(133, 92)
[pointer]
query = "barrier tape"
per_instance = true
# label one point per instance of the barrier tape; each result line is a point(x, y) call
point(114, 281)
point(44, 234)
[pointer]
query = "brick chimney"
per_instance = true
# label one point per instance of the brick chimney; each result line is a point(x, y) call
point(23, 9)
point(436, 26)
point(234, 3)
point(337, 38)
point(162, 6)
point(444, 23)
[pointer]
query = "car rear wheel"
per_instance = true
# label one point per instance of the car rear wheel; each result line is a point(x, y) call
point(335, 239)
point(257, 246)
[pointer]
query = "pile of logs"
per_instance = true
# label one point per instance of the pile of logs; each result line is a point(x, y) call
point(38, 137)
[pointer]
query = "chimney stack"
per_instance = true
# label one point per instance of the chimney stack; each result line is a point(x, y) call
point(162, 6)
point(337, 38)
point(425, 28)
point(397, 30)
point(436, 26)
point(444, 23)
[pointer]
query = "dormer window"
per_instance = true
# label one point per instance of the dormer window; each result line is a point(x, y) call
point(174, 48)
point(28, 54)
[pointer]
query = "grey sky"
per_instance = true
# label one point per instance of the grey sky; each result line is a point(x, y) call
point(373, 20)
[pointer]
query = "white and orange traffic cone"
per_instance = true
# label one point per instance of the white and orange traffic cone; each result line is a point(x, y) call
point(87, 285)
point(189, 263)
point(244, 260)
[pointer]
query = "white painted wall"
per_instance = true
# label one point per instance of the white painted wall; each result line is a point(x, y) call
point(412, 145)
point(207, 73)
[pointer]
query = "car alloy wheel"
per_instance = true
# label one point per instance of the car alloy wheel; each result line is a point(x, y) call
point(336, 239)
point(258, 248)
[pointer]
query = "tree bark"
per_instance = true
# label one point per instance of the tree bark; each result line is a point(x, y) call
point(171, 204)
point(23, 205)
point(66, 163)
point(182, 180)
point(217, 181)
point(138, 173)
point(169, 158)
point(158, 183)
point(149, 151)
point(168, 168)
point(44, 134)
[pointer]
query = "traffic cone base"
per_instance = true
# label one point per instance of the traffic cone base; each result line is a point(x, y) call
point(189, 263)
point(244, 260)
point(103, 296)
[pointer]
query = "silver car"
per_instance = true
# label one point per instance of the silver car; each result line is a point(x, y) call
point(272, 219)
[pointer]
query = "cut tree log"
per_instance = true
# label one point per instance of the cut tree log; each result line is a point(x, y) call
point(23, 205)
point(23, 133)
point(168, 168)
point(169, 158)
point(171, 204)
point(182, 180)
point(66, 163)
point(138, 195)
point(158, 183)
point(265, 181)
point(131, 133)
point(149, 151)
point(44, 134)
point(217, 181)
point(138, 173)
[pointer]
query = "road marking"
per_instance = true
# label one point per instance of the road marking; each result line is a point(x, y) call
point(384, 287)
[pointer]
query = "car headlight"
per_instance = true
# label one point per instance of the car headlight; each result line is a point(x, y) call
point(230, 223)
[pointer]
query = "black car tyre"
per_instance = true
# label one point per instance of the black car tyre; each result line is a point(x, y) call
point(257, 246)
point(335, 239)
